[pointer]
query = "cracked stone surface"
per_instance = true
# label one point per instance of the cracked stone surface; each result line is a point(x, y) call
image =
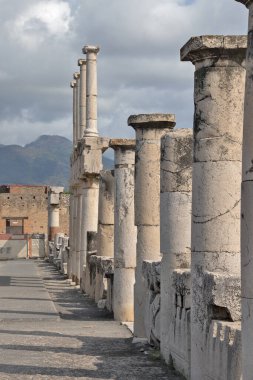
point(66, 337)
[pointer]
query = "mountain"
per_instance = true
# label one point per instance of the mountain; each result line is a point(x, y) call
point(44, 161)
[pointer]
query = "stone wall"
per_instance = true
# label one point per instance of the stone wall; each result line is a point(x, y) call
point(31, 202)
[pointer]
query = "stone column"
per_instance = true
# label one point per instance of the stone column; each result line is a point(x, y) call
point(89, 221)
point(77, 105)
point(175, 221)
point(79, 212)
point(124, 230)
point(73, 85)
point(74, 237)
point(246, 210)
point(91, 166)
point(218, 119)
point(82, 64)
point(54, 203)
point(105, 243)
point(149, 130)
point(91, 90)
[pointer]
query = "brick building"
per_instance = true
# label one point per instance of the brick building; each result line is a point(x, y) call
point(24, 218)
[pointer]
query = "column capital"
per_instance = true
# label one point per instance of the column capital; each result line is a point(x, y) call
point(204, 47)
point(90, 49)
point(73, 84)
point(122, 144)
point(76, 76)
point(247, 3)
point(155, 120)
point(81, 62)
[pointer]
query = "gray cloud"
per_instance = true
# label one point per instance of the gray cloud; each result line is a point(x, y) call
point(139, 68)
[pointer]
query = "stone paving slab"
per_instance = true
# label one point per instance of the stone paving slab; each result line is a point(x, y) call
point(22, 292)
point(84, 343)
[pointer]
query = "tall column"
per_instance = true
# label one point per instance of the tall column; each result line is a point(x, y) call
point(125, 234)
point(218, 120)
point(82, 64)
point(175, 217)
point(91, 90)
point(246, 210)
point(54, 204)
point(149, 130)
point(77, 105)
point(73, 85)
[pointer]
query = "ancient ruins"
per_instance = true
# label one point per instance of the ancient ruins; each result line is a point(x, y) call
point(157, 240)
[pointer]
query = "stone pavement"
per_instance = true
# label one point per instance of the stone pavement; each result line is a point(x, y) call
point(50, 330)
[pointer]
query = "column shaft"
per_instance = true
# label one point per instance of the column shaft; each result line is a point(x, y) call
point(175, 216)
point(125, 234)
point(149, 130)
point(82, 64)
point(91, 90)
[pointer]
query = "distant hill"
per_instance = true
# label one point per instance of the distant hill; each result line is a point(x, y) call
point(44, 161)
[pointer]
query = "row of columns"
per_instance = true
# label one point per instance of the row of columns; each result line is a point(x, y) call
point(208, 221)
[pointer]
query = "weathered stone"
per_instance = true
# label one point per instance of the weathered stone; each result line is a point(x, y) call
point(218, 96)
point(124, 229)
point(91, 92)
point(176, 202)
point(82, 111)
point(149, 130)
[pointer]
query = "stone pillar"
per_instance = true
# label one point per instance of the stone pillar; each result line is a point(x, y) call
point(71, 221)
point(149, 130)
point(91, 166)
point(79, 212)
point(246, 210)
point(54, 203)
point(175, 221)
point(89, 221)
point(91, 90)
point(218, 119)
point(105, 243)
point(74, 238)
point(77, 105)
point(82, 64)
point(73, 85)
point(124, 230)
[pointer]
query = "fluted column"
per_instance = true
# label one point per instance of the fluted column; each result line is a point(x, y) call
point(82, 117)
point(91, 90)
point(54, 209)
point(73, 86)
point(218, 120)
point(149, 131)
point(77, 105)
point(124, 230)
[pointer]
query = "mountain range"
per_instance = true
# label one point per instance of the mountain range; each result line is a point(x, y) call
point(44, 161)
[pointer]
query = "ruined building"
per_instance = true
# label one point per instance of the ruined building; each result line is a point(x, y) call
point(28, 217)
point(158, 240)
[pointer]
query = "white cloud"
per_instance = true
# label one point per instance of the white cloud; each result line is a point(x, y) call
point(41, 21)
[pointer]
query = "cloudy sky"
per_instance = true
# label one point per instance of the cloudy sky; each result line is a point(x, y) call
point(139, 70)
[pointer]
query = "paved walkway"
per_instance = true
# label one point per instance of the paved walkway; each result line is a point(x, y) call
point(49, 330)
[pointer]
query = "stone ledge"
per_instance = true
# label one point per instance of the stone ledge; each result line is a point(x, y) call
point(202, 47)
